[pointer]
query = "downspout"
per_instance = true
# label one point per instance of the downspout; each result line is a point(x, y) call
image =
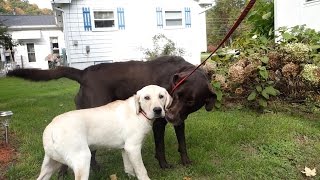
point(66, 40)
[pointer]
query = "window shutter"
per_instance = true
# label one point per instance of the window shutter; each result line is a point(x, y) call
point(159, 17)
point(120, 13)
point(86, 19)
point(187, 14)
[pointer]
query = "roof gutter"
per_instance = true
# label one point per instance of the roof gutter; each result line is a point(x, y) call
point(33, 27)
point(206, 9)
point(56, 8)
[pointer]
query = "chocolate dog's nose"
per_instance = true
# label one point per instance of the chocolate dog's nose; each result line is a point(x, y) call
point(157, 110)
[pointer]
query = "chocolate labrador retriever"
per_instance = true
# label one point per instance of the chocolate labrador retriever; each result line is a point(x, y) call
point(104, 83)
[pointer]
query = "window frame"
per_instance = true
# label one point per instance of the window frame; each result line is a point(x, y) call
point(34, 52)
point(104, 28)
point(54, 50)
point(165, 19)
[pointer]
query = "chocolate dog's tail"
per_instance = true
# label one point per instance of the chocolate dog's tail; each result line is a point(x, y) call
point(46, 75)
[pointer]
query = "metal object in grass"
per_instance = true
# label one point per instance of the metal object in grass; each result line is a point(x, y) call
point(5, 117)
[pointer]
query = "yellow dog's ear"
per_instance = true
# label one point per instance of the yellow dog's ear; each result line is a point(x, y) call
point(137, 103)
point(168, 100)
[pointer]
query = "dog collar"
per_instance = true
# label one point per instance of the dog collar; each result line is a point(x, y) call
point(144, 114)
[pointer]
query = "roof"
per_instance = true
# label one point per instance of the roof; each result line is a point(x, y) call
point(27, 20)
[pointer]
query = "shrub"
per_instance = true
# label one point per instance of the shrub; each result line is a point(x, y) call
point(287, 69)
point(162, 46)
point(311, 73)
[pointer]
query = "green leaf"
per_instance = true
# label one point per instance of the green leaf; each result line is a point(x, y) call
point(264, 74)
point(270, 32)
point(252, 96)
point(263, 39)
point(271, 90)
point(216, 84)
point(315, 47)
point(217, 104)
point(219, 95)
point(250, 51)
point(265, 94)
point(286, 36)
point(262, 68)
point(258, 88)
point(266, 16)
point(263, 103)
point(265, 59)
point(270, 82)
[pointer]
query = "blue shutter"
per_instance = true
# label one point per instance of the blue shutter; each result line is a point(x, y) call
point(86, 19)
point(187, 14)
point(159, 17)
point(120, 13)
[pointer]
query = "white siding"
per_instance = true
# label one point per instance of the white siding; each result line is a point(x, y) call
point(140, 27)
point(297, 12)
point(42, 49)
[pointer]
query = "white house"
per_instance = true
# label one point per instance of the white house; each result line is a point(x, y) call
point(297, 12)
point(38, 36)
point(111, 30)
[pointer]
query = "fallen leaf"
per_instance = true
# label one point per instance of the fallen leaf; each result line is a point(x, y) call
point(308, 172)
point(113, 177)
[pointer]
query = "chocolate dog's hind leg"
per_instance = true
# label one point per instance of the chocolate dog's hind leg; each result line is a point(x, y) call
point(62, 172)
point(93, 164)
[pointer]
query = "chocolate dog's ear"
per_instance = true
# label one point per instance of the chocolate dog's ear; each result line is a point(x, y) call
point(211, 99)
point(178, 76)
point(137, 103)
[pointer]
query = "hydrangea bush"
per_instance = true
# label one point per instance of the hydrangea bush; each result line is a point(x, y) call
point(287, 69)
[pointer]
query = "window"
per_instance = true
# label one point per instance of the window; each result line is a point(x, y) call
point(103, 19)
point(173, 18)
point(31, 52)
point(54, 45)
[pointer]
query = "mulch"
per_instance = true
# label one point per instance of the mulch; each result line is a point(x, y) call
point(7, 155)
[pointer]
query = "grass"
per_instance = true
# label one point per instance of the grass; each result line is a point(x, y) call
point(233, 144)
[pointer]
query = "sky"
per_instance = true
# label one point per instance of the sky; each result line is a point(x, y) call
point(42, 3)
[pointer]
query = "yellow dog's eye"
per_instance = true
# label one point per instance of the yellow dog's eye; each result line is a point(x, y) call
point(160, 96)
point(147, 98)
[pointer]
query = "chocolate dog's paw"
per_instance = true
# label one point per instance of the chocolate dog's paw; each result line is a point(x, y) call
point(95, 166)
point(63, 171)
point(186, 161)
point(165, 165)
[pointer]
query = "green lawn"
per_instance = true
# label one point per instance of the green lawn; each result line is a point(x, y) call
point(234, 144)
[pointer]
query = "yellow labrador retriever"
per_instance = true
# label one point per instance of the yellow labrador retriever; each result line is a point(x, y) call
point(119, 124)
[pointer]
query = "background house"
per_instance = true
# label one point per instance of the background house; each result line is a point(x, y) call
point(297, 12)
point(110, 30)
point(38, 36)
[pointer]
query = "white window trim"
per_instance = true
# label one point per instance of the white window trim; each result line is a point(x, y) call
point(35, 57)
point(173, 27)
point(106, 28)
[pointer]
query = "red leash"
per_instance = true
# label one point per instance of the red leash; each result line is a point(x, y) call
point(233, 28)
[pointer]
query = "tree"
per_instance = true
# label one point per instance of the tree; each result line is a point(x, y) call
point(21, 7)
point(261, 19)
point(5, 38)
point(221, 17)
